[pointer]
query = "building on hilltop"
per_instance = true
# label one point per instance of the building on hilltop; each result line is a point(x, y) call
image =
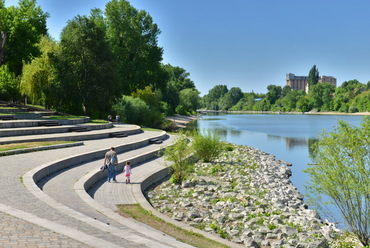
point(301, 82)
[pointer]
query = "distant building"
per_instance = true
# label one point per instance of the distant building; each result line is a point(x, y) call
point(301, 82)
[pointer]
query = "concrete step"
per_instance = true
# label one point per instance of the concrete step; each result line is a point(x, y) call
point(49, 123)
point(74, 136)
point(7, 118)
point(50, 129)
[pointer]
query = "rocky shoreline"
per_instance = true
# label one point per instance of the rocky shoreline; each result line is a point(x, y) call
point(245, 196)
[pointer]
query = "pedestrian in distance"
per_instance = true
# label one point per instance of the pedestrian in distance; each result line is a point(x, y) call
point(111, 160)
point(127, 171)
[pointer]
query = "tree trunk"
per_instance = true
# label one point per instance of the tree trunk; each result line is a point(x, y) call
point(2, 44)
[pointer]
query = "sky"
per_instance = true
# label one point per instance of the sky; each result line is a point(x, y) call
point(248, 44)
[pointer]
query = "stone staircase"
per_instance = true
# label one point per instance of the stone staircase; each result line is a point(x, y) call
point(63, 191)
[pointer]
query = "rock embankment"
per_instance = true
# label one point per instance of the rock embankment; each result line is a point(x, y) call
point(245, 196)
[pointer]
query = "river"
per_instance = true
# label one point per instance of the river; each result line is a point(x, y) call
point(287, 137)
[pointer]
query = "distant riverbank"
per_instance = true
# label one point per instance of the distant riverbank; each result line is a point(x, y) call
point(281, 112)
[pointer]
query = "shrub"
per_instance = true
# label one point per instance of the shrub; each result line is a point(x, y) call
point(207, 147)
point(179, 154)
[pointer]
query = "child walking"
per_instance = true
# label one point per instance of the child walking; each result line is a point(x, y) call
point(127, 171)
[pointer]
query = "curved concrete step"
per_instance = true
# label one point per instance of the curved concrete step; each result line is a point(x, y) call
point(36, 123)
point(37, 130)
point(73, 136)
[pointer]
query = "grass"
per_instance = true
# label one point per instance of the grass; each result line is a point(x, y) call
point(15, 146)
point(138, 213)
point(64, 117)
point(151, 129)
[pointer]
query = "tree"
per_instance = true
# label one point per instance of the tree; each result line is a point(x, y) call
point(321, 96)
point(177, 80)
point(26, 23)
point(342, 172)
point(236, 94)
point(133, 36)
point(189, 99)
point(179, 76)
point(86, 69)
point(313, 77)
point(273, 94)
point(8, 84)
point(211, 100)
point(39, 76)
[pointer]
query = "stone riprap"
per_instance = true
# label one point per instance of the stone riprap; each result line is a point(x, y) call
point(245, 196)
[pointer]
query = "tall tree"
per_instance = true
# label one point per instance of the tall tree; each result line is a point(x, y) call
point(313, 77)
point(38, 76)
point(273, 94)
point(134, 36)
point(342, 172)
point(26, 23)
point(189, 99)
point(86, 69)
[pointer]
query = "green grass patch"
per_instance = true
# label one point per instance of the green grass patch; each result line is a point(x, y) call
point(16, 146)
point(138, 213)
point(98, 121)
point(64, 117)
point(151, 129)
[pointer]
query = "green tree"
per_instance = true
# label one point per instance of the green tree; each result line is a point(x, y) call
point(321, 96)
point(289, 101)
point(25, 23)
point(303, 104)
point(86, 69)
point(273, 94)
point(133, 36)
point(211, 100)
point(225, 102)
point(361, 102)
point(313, 77)
point(39, 75)
point(342, 172)
point(8, 84)
point(177, 80)
point(189, 99)
point(179, 76)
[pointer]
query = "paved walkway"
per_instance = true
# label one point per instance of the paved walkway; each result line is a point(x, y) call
point(56, 216)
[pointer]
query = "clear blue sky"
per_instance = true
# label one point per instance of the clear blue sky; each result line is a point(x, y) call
point(249, 43)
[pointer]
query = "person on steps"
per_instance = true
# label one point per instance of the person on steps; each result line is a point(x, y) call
point(127, 171)
point(111, 160)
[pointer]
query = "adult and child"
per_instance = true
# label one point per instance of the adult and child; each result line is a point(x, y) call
point(111, 161)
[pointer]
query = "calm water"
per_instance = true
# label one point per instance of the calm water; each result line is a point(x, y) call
point(287, 137)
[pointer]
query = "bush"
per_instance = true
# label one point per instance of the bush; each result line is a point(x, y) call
point(207, 147)
point(136, 111)
point(179, 154)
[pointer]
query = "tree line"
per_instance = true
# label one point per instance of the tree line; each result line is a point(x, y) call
point(107, 61)
point(352, 96)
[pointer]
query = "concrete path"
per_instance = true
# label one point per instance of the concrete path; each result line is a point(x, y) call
point(56, 216)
